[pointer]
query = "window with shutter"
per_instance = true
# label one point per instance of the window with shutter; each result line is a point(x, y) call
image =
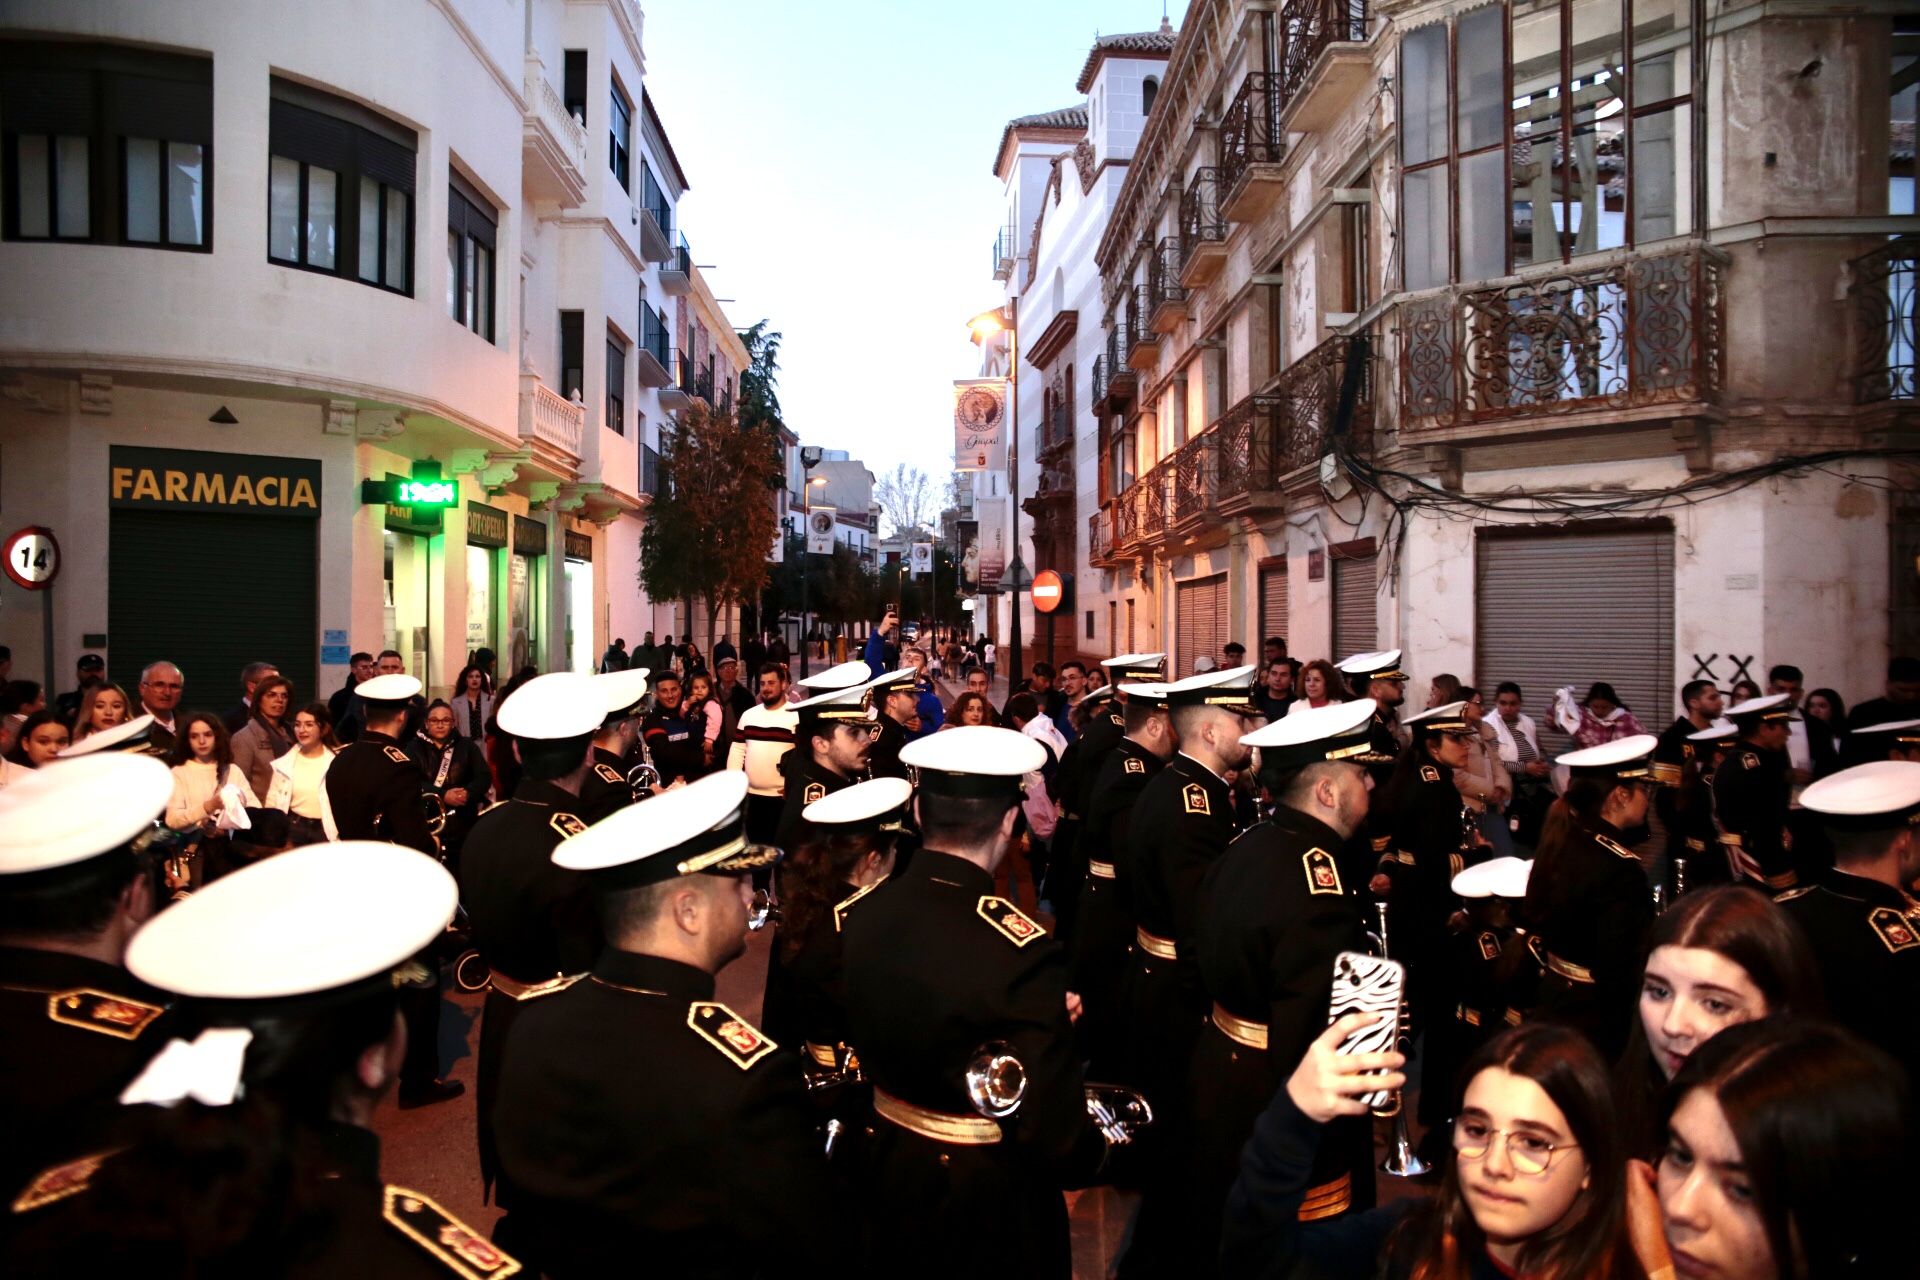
point(1356, 627)
point(1273, 601)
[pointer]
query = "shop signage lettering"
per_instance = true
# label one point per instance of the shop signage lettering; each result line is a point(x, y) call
point(188, 480)
point(529, 537)
point(486, 526)
point(579, 546)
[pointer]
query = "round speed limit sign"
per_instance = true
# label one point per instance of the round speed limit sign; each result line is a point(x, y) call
point(33, 558)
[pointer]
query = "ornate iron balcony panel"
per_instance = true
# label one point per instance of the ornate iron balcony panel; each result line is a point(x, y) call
point(1249, 129)
point(1642, 331)
point(1310, 26)
point(1884, 292)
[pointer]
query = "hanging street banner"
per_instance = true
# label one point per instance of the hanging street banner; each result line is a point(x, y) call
point(992, 514)
point(922, 559)
point(979, 424)
point(820, 531)
point(967, 536)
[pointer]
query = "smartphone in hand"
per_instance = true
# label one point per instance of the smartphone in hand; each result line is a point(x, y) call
point(1368, 984)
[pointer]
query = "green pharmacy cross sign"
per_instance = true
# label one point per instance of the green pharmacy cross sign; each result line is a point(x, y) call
point(413, 502)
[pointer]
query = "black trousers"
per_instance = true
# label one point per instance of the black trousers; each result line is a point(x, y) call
point(420, 1007)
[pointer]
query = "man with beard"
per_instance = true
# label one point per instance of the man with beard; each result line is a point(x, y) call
point(605, 786)
point(1276, 909)
point(761, 742)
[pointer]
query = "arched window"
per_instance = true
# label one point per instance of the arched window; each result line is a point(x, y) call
point(1148, 92)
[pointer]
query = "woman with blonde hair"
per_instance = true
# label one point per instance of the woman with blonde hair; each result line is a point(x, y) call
point(102, 706)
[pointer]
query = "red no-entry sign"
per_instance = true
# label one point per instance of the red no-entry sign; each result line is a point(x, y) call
point(1047, 591)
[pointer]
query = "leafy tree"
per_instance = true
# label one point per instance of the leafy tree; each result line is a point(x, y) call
point(759, 400)
point(712, 522)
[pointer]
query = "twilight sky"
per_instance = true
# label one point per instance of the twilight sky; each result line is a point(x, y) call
point(840, 154)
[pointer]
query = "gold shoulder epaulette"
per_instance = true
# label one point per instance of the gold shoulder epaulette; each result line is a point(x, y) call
point(1895, 930)
point(59, 1182)
point(840, 908)
point(566, 824)
point(464, 1251)
point(1195, 799)
point(741, 1041)
point(1429, 774)
point(814, 791)
point(1749, 760)
point(1014, 924)
point(102, 1012)
point(1791, 894)
point(1615, 847)
point(608, 773)
point(1135, 764)
point(1323, 875)
point(398, 756)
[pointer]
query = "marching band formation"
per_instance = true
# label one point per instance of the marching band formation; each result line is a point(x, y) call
point(1277, 951)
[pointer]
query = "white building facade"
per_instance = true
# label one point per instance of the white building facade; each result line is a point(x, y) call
point(1545, 359)
point(259, 257)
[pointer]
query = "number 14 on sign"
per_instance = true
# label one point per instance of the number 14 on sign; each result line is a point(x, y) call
point(32, 557)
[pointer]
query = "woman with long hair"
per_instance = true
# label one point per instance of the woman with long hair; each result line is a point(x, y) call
point(1588, 900)
point(1719, 957)
point(41, 739)
point(1320, 685)
point(1534, 1184)
point(257, 1155)
point(472, 703)
point(202, 762)
point(846, 849)
point(969, 708)
point(265, 737)
point(102, 706)
point(1826, 715)
point(297, 775)
point(1788, 1155)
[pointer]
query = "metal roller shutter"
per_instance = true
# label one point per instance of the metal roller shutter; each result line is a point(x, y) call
point(1273, 603)
point(1356, 625)
point(1200, 622)
point(211, 593)
point(1557, 609)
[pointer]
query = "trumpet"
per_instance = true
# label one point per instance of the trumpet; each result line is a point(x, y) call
point(641, 780)
point(1402, 1160)
point(435, 809)
point(996, 1083)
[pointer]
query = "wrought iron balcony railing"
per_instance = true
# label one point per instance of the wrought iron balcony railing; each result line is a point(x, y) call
point(1200, 220)
point(1004, 254)
point(1100, 534)
point(1638, 332)
point(1884, 292)
point(1309, 27)
point(1196, 478)
point(1250, 130)
point(1164, 291)
point(1097, 383)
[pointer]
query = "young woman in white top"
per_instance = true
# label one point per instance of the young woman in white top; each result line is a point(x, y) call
point(296, 775)
point(202, 760)
point(42, 738)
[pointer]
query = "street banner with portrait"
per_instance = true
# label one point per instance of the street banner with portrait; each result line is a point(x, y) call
point(979, 424)
point(820, 531)
point(967, 538)
point(992, 514)
point(922, 559)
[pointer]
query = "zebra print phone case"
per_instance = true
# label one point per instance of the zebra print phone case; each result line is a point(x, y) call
point(1368, 984)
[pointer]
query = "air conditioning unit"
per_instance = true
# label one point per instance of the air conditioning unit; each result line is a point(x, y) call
point(1333, 478)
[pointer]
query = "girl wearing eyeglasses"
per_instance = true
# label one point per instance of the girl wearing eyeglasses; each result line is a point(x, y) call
point(1536, 1187)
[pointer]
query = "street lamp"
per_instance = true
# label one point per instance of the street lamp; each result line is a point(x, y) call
point(984, 326)
point(809, 459)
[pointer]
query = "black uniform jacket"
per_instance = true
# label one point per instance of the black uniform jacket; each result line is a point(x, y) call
point(937, 967)
point(883, 757)
point(1750, 803)
point(531, 920)
point(648, 1129)
point(73, 1032)
point(1424, 853)
point(807, 781)
point(1105, 930)
point(1867, 937)
point(1181, 826)
point(604, 790)
point(1591, 935)
point(373, 788)
point(90, 1218)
